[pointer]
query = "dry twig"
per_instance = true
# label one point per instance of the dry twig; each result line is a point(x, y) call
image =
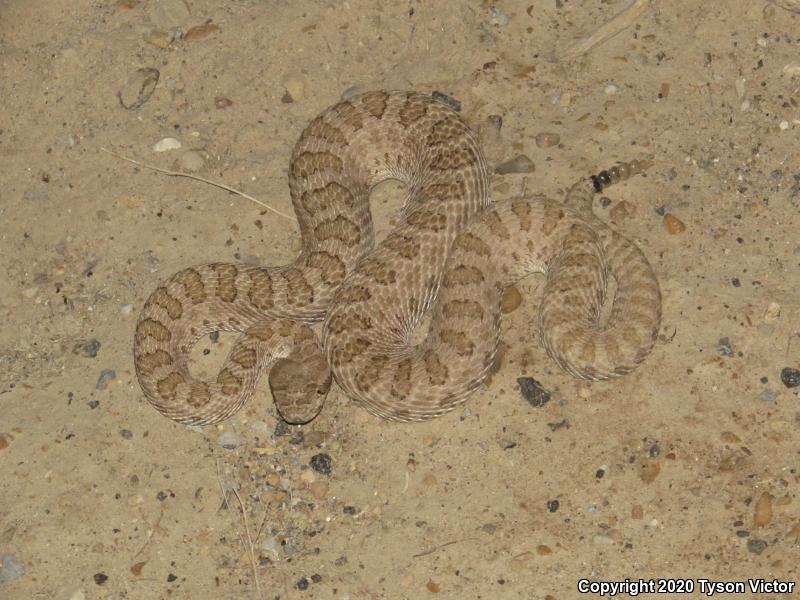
point(198, 178)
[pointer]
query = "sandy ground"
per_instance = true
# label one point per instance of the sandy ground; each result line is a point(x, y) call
point(686, 468)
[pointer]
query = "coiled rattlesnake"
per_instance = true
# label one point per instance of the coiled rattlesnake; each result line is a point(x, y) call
point(453, 253)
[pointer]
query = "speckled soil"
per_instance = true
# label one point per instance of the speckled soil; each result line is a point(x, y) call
point(688, 468)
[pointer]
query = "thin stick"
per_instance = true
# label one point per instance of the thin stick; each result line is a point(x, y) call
point(197, 178)
point(249, 542)
point(439, 547)
point(607, 30)
point(246, 528)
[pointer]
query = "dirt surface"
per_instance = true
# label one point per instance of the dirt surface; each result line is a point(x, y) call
point(686, 468)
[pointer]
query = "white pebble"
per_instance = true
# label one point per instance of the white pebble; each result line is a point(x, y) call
point(230, 440)
point(127, 309)
point(270, 545)
point(792, 69)
point(784, 125)
point(611, 89)
point(165, 144)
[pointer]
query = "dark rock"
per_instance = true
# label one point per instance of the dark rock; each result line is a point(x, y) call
point(87, 348)
point(106, 375)
point(533, 392)
point(321, 463)
point(725, 347)
point(790, 377)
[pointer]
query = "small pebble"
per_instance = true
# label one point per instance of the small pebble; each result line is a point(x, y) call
point(433, 587)
point(221, 102)
point(140, 86)
point(725, 347)
point(126, 309)
point(319, 489)
point(160, 38)
point(230, 440)
point(314, 438)
point(192, 161)
point(533, 392)
point(621, 211)
point(106, 375)
point(93, 404)
point(507, 444)
point(11, 568)
point(763, 510)
point(547, 139)
point(673, 224)
point(552, 505)
point(497, 18)
point(169, 14)
point(126, 433)
point(735, 282)
point(165, 144)
point(260, 429)
point(198, 32)
point(518, 164)
point(87, 348)
point(768, 395)
point(135, 500)
point(790, 377)
point(649, 471)
point(610, 89)
point(792, 69)
point(321, 463)
point(100, 578)
point(742, 533)
point(302, 584)
point(296, 87)
point(756, 546)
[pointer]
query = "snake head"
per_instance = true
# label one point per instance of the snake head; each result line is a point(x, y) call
point(299, 386)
